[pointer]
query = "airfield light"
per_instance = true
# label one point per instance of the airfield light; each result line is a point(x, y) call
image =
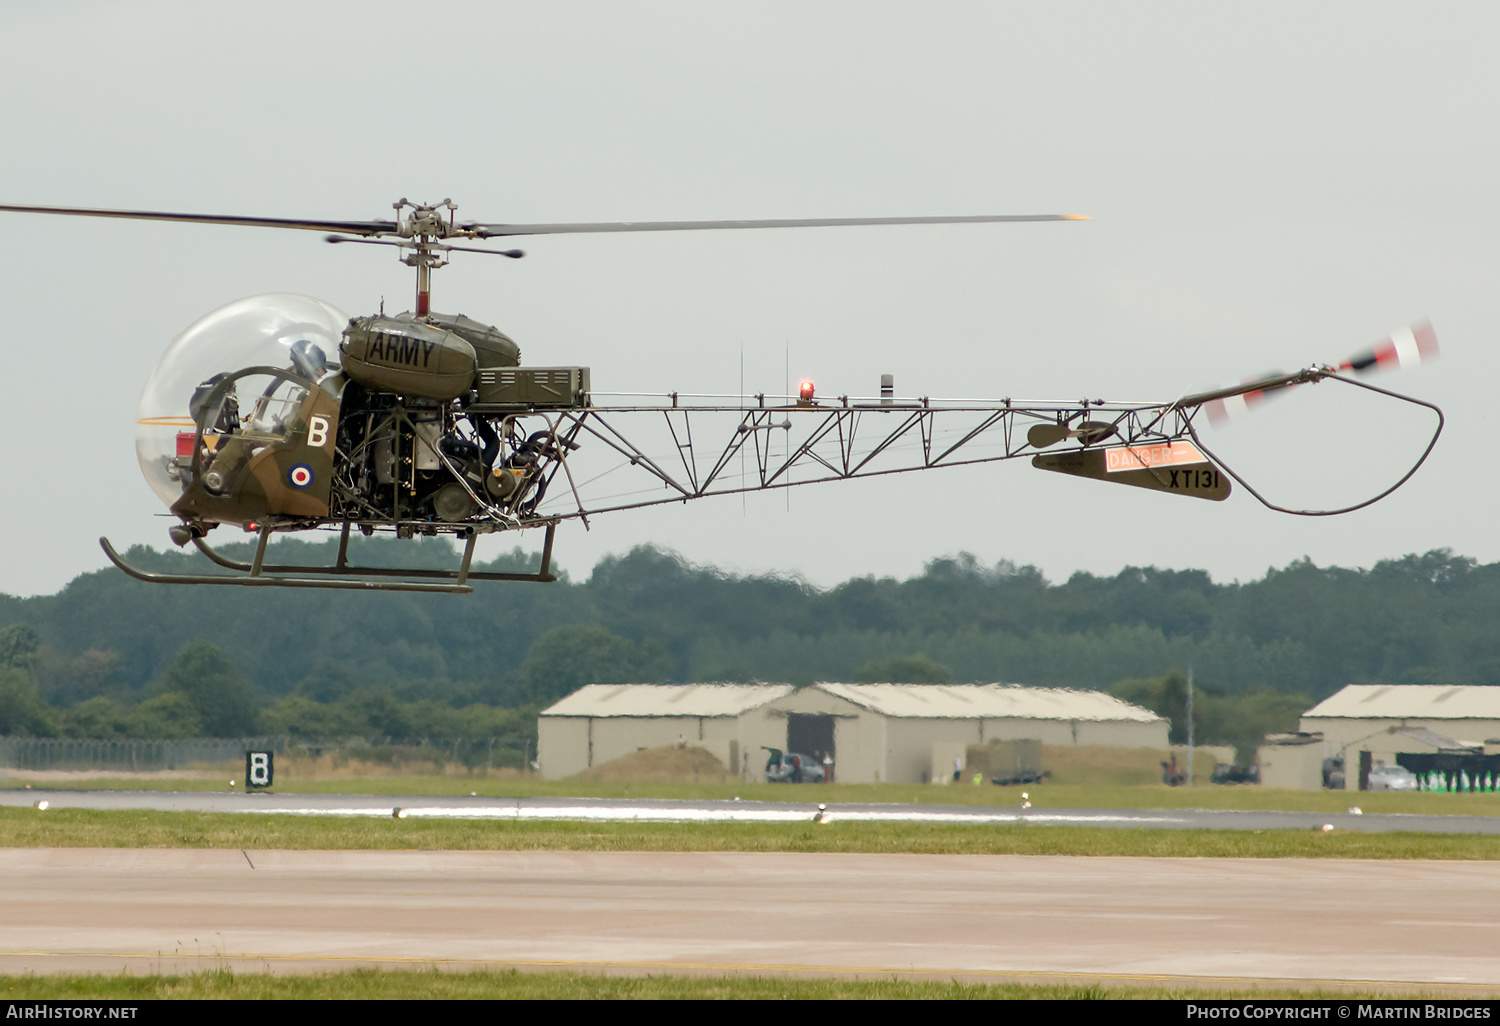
point(805, 393)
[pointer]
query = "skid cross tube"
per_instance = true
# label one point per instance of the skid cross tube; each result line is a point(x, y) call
point(342, 567)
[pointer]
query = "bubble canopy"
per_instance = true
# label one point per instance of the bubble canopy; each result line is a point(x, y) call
point(258, 331)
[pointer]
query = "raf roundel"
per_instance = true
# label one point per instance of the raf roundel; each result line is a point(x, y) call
point(300, 476)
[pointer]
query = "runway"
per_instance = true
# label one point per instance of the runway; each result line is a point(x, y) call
point(986, 918)
point(673, 811)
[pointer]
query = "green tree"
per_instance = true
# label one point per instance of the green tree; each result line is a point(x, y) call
point(1167, 697)
point(168, 715)
point(22, 711)
point(97, 717)
point(904, 669)
point(1245, 720)
point(329, 681)
point(566, 658)
point(374, 712)
point(204, 675)
point(302, 717)
point(1239, 720)
point(1301, 629)
point(18, 645)
point(68, 680)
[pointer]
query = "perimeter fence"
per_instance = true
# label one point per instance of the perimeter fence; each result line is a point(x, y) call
point(129, 754)
point(143, 755)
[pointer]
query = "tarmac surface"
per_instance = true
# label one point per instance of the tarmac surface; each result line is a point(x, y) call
point(666, 810)
point(996, 918)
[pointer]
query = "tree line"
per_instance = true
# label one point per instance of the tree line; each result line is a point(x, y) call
point(109, 653)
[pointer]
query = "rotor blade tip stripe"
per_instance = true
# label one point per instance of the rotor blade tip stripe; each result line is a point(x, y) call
point(1231, 407)
point(1403, 348)
point(1426, 338)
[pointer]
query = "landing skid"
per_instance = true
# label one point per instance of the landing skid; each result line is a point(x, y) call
point(341, 575)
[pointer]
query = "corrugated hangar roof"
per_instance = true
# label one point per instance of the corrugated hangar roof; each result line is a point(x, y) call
point(988, 701)
point(913, 701)
point(666, 699)
point(1411, 702)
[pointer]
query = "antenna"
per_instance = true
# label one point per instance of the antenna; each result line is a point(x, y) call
point(744, 499)
point(1190, 724)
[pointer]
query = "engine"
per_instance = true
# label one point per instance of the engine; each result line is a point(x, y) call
point(423, 464)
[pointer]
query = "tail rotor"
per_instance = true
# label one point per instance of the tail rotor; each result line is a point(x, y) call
point(1402, 349)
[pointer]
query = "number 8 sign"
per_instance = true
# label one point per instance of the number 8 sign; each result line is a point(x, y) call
point(258, 769)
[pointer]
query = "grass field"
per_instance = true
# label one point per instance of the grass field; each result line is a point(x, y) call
point(1059, 795)
point(27, 827)
point(514, 985)
point(1083, 777)
point(73, 828)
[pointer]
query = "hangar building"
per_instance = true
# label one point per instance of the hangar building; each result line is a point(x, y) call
point(1369, 724)
point(902, 733)
point(600, 722)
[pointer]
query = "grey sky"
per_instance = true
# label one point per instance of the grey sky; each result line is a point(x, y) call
point(1274, 184)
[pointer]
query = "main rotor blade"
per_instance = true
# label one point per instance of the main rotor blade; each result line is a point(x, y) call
point(347, 227)
point(486, 231)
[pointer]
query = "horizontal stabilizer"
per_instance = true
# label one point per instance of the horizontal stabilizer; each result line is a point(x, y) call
point(1175, 467)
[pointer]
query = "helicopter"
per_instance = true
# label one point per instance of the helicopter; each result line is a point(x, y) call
point(281, 414)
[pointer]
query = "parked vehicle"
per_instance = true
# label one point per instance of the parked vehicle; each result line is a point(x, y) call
point(1021, 777)
point(1224, 773)
point(1392, 778)
point(1333, 774)
point(792, 768)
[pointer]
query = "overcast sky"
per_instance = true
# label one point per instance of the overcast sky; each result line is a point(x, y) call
point(1273, 184)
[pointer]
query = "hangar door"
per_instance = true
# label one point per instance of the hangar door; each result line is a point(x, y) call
point(809, 734)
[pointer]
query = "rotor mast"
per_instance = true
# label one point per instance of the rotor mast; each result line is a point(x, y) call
point(424, 283)
point(425, 226)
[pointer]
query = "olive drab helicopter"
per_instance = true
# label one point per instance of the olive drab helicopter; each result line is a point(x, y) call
point(280, 414)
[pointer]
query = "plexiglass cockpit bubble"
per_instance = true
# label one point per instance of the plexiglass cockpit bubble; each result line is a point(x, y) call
point(281, 330)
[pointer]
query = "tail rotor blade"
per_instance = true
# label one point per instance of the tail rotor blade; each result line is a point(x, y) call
point(1233, 407)
point(1405, 348)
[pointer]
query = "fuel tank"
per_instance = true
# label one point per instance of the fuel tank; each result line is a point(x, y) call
point(409, 357)
point(492, 346)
